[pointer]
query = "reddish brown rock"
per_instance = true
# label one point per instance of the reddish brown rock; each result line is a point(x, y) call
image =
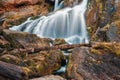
point(24, 40)
point(17, 2)
point(26, 1)
point(17, 11)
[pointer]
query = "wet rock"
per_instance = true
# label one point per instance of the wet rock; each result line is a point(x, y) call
point(44, 63)
point(85, 65)
point(49, 77)
point(24, 40)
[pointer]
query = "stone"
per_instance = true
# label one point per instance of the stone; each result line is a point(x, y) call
point(18, 16)
point(59, 42)
point(49, 77)
point(26, 1)
point(99, 14)
point(4, 43)
point(86, 64)
point(113, 32)
point(10, 59)
point(44, 63)
point(24, 40)
point(17, 11)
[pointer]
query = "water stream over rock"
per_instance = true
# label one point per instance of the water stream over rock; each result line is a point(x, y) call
point(68, 23)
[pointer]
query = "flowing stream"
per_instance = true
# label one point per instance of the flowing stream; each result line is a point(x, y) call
point(68, 23)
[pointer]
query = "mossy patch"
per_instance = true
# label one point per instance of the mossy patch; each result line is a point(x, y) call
point(103, 47)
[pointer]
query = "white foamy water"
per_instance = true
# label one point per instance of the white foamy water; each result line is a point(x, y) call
point(68, 23)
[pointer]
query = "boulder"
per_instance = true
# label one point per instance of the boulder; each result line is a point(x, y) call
point(49, 77)
point(43, 63)
point(24, 40)
point(100, 62)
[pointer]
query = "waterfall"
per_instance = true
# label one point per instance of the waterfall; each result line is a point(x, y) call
point(75, 3)
point(68, 23)
point(56, 5)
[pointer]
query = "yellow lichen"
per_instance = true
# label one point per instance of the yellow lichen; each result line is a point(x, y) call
point(103, 47)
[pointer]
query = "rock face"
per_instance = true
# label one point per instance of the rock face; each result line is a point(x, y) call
point(14, 12)
point(99, 15)
point(101, 64)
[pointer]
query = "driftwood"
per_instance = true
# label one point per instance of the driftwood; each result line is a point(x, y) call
point(62, 47)
point(12, 72)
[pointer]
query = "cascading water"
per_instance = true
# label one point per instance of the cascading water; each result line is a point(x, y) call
point(56, 5)
point(68, 23)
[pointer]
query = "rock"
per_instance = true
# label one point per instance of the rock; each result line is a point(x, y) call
point(59, 42)
point(3, 78)
point(84, 65)
point(49, 77)
point(112, 33)
point(17, 11)
point(99, 14)
point(44, 63)
point(10, 59)
point(71, 3)
point(18, 2)
point(4, 43)
point(102, 47)
point(16, 17)
point(24, 40)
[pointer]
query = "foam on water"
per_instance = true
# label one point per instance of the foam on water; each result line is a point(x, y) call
point(68, 23)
